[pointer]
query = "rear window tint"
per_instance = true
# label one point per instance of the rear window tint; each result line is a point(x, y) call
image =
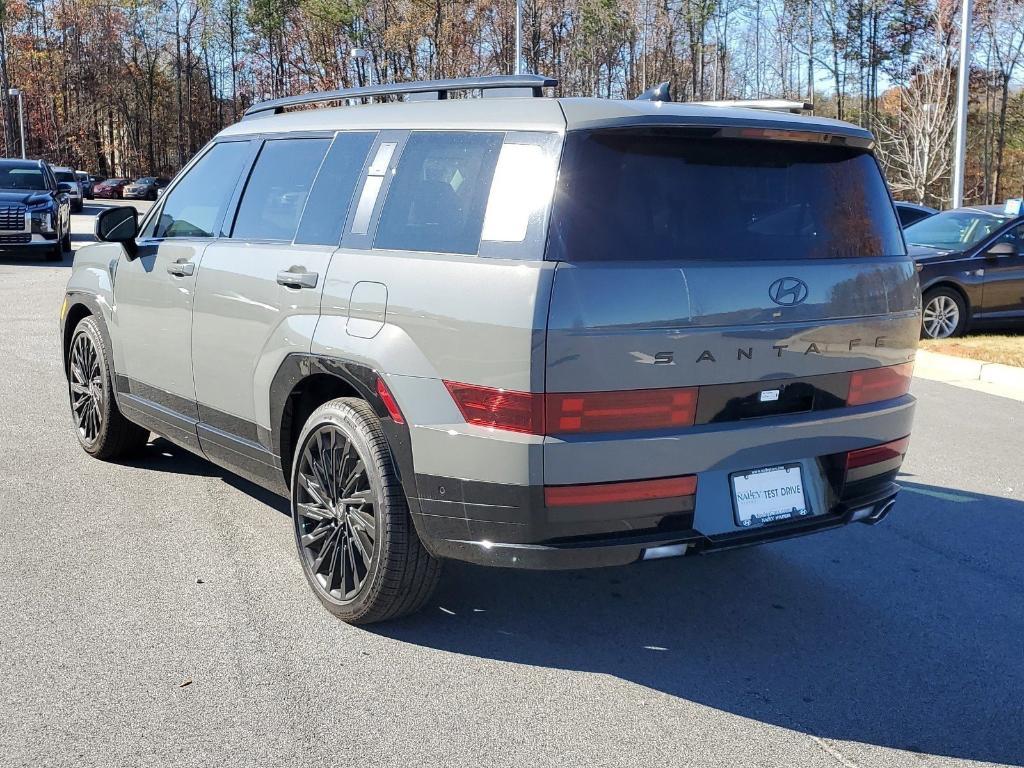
point(328, 203)
point(654, 195)
point(437, 199)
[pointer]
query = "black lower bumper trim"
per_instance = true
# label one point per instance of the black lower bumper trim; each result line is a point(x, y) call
point(609, 551)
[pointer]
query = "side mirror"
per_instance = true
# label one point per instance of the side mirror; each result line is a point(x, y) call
point(66, 186)
point(119, 225)
point(1001, 249)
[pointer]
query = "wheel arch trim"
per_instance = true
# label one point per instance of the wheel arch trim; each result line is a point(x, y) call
point(362, 379)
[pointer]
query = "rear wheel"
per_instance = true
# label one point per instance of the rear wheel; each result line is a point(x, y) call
point(355, 537)
point(944, 314)
point(101, 428)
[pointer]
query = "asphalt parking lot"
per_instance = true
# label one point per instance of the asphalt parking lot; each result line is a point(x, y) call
point(155, 613)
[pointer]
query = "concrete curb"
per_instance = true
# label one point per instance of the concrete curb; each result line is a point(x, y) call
point(995, 378)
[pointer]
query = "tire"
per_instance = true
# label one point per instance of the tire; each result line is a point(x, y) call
point(943, 315)
point(333, 540)
point(76, 207)
point(102, 431)
point(56, 252)
point(65, 243)
point(151, 195)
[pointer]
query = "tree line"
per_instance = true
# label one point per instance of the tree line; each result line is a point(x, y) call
point(133, 87)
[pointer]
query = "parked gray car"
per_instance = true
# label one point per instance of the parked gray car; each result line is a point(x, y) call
point(519, 331)
point(67, 176)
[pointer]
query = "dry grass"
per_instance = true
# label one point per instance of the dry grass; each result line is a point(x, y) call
point(989, 347)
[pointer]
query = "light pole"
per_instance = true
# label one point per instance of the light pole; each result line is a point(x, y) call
point(361, 54)
point(519, 37)
point(963, 83)
point(21, 116)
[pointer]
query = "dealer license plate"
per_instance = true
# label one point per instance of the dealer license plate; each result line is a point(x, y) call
point(769, 495)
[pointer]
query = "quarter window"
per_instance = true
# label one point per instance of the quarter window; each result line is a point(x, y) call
point(277, 189)
point(437, 199)
point(196, 204)
point(328, 203)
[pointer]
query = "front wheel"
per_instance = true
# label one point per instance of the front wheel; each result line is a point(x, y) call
point(944, 314)
point(356, 540)
point(101, 428)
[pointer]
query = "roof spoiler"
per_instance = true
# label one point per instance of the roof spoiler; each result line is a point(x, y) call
point(659, 92)
point(773, 105)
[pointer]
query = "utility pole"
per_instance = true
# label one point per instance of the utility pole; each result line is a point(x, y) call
point(16, 92)
point(963, 83)
point(519, 38)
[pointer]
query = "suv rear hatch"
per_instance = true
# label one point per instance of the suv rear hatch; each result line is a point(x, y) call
point(689, 257)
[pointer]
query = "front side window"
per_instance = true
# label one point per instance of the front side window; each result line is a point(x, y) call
point(196, 205)
point(664, 194)
point(277, 189)
point(437, 199)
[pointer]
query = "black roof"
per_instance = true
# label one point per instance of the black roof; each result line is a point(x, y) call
point(17, 162)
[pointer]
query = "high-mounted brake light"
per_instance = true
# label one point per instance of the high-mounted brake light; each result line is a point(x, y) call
point(562, 413)
point(875, 384)
point(877, 454)
point(618, 493)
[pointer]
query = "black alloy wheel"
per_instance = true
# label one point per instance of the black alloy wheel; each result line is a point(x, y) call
point(359, 548)
point(337, 513)
point(101, 428)
point(85, 378)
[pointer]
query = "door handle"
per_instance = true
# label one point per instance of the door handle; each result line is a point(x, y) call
point(290, 279)
point(181, 268)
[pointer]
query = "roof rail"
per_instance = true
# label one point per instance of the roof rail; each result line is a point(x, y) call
point(775, 105)
point(440, 87)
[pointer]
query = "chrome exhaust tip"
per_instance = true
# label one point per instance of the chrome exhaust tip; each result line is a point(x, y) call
point(878, 515)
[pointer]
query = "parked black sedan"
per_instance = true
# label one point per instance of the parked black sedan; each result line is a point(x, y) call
point(911, 213)
point(971, 263)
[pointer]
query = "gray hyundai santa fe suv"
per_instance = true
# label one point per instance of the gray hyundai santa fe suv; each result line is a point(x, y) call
point(519, 331)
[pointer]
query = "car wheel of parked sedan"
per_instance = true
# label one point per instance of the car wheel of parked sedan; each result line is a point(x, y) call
point(101, 428)
point(355, 537)
point(944, 314)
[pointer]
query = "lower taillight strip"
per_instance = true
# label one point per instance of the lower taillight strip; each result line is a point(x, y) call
point(613, 493)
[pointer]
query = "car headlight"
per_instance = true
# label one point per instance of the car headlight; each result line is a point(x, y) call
point(43, 221)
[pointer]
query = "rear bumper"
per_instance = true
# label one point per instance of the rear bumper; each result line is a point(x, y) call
point(594, 552)
point(509, 524)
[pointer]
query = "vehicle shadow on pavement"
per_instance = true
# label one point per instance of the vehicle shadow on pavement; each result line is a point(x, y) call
point(906, 635)
point(35, 260)
point(161, 455)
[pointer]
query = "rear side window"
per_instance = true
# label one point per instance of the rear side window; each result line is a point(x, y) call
point(437, 199)
point(277, 189)
point(196, 204)
point(662, 194)
point(328, 203)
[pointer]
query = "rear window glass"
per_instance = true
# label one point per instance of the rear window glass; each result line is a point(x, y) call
point(328, 203)
point(437, 199)
point(651, 195)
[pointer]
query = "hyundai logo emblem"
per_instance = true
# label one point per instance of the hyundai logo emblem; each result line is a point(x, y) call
point(788, 291)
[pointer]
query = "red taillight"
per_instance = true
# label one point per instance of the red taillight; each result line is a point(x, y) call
point(876, 454)
point(874, 384)
point(617, 493)
point(568, 413)
point(499, 408)
point(562, 413)
point(389, 402)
